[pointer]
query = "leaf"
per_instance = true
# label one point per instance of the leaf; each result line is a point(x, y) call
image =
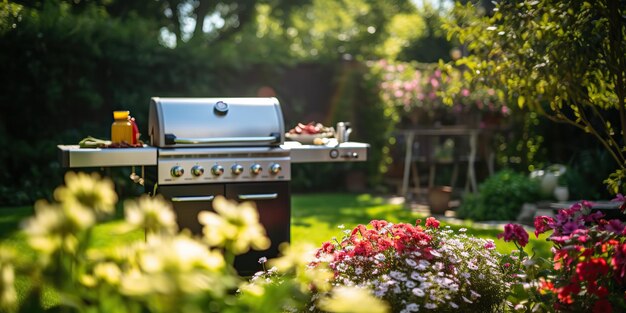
point(520, 101)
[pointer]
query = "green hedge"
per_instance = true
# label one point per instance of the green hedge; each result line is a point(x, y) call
point(64, 74)
point(499, 197)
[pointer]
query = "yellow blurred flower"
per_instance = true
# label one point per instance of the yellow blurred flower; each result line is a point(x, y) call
point(235, 226)
point(352, 300)
point(108, 272)
point(179, 253)
point(8, 296)
point(293, 257)
point(55, 226)
point(170, 266)
point(154, 215)
point(89, 191)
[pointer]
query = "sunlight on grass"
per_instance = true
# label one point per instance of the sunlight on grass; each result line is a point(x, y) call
point(316, 218)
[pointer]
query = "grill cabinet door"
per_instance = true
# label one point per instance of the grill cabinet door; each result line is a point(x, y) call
point(274, 205)
point(189, 200)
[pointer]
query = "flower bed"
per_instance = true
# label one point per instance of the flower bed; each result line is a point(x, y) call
point(415, 268)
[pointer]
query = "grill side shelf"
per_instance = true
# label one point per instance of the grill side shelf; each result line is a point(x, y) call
point(72, 156)
point(344, 152)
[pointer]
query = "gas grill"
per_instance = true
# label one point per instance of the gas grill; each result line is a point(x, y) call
point(235, 147)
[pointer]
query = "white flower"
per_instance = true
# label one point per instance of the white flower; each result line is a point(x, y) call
point(358, 271)
point(342, 267)
point(418, 292)
point(423, 265)
point(410, 284)
point(397, 275)
point(415, 276)
point(380, 257)
point(435, 253)
point(342, 226)
point(411, 262)
point(462, 230)
point(430, 305)
point(425, 285)
point(454, 305)
point(472, 266)
point(475, 295)
point(466, 299)
point(412, 307)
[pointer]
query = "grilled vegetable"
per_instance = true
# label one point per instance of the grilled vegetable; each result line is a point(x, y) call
point(92, 142)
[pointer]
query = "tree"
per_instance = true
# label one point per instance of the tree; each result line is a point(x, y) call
point(565, 59)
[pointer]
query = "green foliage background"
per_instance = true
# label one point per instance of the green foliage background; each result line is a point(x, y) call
point(67, 65)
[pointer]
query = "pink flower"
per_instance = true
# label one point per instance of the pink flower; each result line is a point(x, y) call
point(615, 226)
point(432, 222)
point(570, 227)
point(465, 92)
point(543, 224)
point(490, 245)
point(515, 233)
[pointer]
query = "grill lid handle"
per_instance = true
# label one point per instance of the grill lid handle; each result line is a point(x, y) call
point(172, 139)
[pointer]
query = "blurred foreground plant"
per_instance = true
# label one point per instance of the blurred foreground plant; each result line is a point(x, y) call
point(168, 271)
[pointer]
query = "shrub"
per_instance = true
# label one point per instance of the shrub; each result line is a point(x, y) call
point(500, 197)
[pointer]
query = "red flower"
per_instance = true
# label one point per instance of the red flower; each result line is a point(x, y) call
point(565, 293)
point(545, 286)
point(515, 233)
point(378, 225)
point(543, 224)
point(602, 306)
point(619, 262)
point(328, 247)
point(432, 222)
point(591, 270)
point(362, 247)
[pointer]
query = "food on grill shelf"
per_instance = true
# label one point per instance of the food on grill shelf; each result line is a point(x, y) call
point(93, 142)
point(311, 133)
point(311, 128)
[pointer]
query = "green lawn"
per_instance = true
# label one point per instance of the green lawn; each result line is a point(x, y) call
point(315, 219)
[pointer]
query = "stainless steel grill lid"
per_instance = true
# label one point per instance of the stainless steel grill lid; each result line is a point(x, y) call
point(207, 122)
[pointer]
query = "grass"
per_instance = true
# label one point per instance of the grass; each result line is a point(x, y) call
point(315, 218)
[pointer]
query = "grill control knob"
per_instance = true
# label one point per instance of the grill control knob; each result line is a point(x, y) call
point(197, 170)
point(217, 170)
point(236, 169)
point(177, 171)
point(275, 168)
point(256, 169)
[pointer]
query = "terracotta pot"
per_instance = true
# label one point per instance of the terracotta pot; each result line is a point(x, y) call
point(439, 199)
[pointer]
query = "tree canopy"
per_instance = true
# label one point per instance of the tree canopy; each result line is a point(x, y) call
point(565, 59)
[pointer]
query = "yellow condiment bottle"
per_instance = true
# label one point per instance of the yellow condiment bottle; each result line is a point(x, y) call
point(121, 129)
